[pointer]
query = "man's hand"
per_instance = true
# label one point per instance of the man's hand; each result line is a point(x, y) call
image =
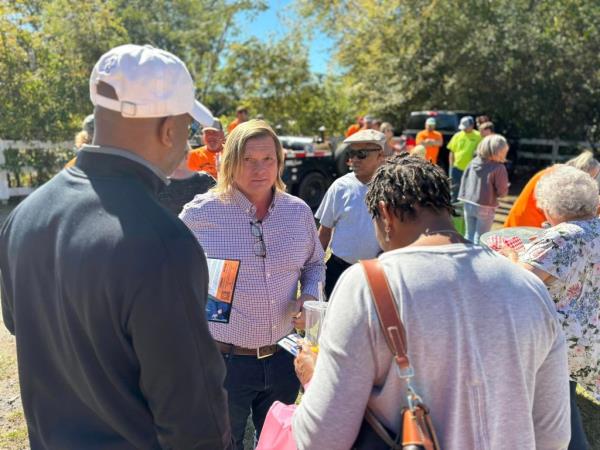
point(298, 318)
point(305, 364)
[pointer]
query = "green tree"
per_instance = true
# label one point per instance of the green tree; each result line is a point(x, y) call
point(274, 79)
point(48, 49)
point(527, 63)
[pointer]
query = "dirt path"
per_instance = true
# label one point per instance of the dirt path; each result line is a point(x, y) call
point(13, 432)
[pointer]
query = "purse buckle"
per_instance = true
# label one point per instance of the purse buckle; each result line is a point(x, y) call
point(405, 373)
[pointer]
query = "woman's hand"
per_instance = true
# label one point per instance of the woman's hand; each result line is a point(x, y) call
point(510, 254)
point(305, 364)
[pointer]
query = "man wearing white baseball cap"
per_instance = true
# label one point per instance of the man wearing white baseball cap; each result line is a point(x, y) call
point(345, 223)
point(105, 289)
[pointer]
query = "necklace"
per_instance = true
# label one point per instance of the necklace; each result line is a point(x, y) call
point(428, 231)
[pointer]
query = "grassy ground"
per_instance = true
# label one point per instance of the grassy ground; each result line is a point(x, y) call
point(13, 430)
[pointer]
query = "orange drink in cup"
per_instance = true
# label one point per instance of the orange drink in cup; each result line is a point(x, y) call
point(314, 313)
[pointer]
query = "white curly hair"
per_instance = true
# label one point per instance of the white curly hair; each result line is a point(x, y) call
point(567, 193)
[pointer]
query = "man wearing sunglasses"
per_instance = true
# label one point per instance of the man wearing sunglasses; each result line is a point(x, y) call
point(345, 223)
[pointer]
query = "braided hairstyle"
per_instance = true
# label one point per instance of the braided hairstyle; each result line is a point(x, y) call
point(405, 182)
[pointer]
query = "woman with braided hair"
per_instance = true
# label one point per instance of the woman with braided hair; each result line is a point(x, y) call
point(482, 335)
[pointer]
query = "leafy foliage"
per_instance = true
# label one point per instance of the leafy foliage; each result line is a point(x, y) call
point(48, 48)
point(526, 63)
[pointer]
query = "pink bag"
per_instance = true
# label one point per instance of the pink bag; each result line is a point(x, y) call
point(276, 433)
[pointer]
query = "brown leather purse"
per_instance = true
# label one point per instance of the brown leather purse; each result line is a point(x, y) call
point(416, 429)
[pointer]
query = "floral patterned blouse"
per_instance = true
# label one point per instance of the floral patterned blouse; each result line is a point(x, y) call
point(570, 252)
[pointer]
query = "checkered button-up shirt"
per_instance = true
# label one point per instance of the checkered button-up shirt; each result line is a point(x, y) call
point(266, 288)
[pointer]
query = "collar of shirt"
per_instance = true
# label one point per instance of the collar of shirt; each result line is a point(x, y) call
point(129, 155)
point(247, 206)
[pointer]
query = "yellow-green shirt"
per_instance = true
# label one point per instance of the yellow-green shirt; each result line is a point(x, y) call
point(463, 146)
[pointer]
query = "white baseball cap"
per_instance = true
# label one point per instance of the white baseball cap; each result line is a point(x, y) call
point(149, 82)
point(367, 136)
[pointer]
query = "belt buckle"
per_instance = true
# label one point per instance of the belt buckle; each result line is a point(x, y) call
point(259, 356)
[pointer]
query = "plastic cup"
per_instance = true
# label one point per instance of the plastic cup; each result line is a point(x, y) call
point(314, 315)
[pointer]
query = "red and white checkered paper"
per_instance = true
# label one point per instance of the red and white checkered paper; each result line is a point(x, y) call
point(497, 243)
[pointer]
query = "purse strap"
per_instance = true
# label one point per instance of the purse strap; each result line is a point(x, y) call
point(387, 312)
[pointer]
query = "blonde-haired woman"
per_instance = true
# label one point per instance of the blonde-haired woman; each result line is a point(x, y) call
point(484, 180)
point(248, 217)
point(391, 144)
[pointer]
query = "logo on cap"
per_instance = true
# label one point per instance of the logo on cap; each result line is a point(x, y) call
point(108, 65)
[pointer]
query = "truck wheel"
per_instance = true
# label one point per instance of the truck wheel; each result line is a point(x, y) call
point(312, 188)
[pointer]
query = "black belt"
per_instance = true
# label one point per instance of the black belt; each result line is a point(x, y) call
point(260, 352)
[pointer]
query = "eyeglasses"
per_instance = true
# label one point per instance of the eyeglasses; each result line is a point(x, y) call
point(361, 154)
point(193, 129)
point(260, 248)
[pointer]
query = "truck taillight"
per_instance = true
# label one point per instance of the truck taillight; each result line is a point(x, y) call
point(410, 142)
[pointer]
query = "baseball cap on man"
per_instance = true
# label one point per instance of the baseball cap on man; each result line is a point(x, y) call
point(430, 121)
point(466, 122)
point(367, 137)
point(149, 82)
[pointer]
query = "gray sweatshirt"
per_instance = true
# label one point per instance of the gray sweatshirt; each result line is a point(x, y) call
point(483, 337)
point(483, 182)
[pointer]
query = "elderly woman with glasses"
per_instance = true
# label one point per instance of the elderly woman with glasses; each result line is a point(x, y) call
point(483, 335)
point(566, 258)
point(271, 238)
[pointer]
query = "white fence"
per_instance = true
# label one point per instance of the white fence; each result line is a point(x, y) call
point(5, 191)
point(557, 149)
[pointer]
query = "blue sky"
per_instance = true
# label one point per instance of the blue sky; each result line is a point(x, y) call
point(270, 23)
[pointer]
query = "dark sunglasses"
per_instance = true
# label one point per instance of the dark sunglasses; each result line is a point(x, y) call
point(361, 154)
point(260, 249)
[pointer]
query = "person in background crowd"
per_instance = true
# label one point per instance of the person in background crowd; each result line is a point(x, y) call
point(184, 186)
point(567, 258)
point(206, 158)
point(241, 116)
point(431, 139)
point(376, 125)
point(392, 146)
point(250, 218)
point(419, 151)
point(368, 122)
point(479, 120)
point(105, 289)
point(461, 149)
point(525, 212)
point(483, 182)
point(486, 129)
point(345, 223)
point(84, 137)
point(355, 126)
point(502, 347)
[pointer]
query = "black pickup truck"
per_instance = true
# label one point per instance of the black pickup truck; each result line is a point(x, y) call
point(309, 168)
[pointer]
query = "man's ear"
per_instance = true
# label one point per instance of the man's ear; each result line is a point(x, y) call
point(166, 131)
